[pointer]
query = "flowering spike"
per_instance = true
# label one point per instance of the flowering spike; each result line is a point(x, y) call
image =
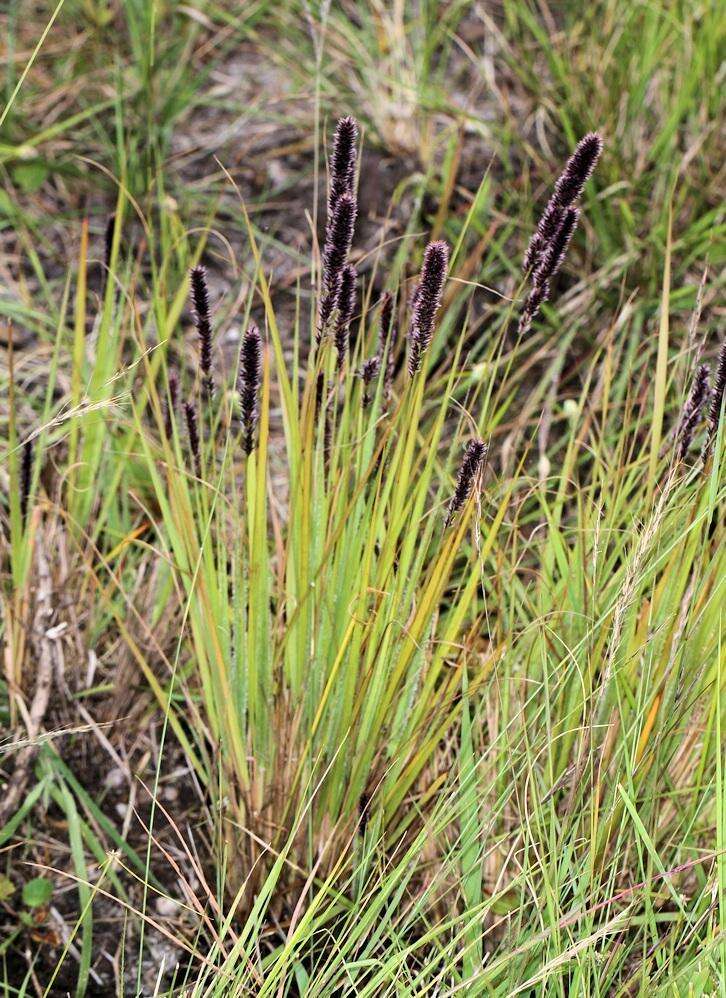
point(26, 473)
point(200, 298)
point(539, 293)
point(554, 253)
point(171, 402)
point(568, 189)
point(346, 307)
point(717, 394)
point(193, 434)
point(468, 478)
point(691, 412)
point(338, 240)
point(108, 243)
point(342, 161)
point(387, 333)
point(368, 373)
point(577, 172)
point(250, 379)
point(427, 301)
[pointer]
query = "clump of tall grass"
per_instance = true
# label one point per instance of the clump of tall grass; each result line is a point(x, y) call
point(416, 700)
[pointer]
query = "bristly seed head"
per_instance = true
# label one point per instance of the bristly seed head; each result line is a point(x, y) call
point(387, 335)
point(553, 255)
point(342, 161)
point(200, 299)
point(171, 403)
point(338, 240)
point(108, 244)
point(578, 170)
point(193, 434)
point(469, 477)
point(26, 471)
point(718, 389)
point(250, 380)
point(539, 293)
point(368, 373)
point(691, 412)
point(427, 301)
point(346, 307)
point(568, 189)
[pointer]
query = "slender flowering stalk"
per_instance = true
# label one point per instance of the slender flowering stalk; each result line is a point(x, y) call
point(200, 298)
point(346, 307)
point(568, 189)
point(250, 379)
point(387, 333)
point(427, 301)
point(717, 395)
point(342, 161)
point(385, 323)
point(338, 240)
point(26, 472)
point(171, 403)
point(368, 373)
point(469, 477)
point(691, 413)
point(193, 434)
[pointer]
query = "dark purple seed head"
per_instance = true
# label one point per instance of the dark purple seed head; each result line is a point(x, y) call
point(568, 189)
point(108, 243)
point(385, 325)
point(578, 170)
point(171, 403)
point(368, 374)
point(193, 435)
point(427, 301)
point(717, 391)
point(346, 307)
point(468, 478)
point(200, 299)
point(250, 381)
point(26, 474)
point(342, 161)
point(539, 294)
point(339, 238)
point(547, 226)
point(554, 252)
point(691, 412)
point(715, 402)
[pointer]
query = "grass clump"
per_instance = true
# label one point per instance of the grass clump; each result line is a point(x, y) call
point(414, 641)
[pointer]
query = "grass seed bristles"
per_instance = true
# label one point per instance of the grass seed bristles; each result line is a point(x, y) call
point(716, 400)
point(250, 380)
point(171, 404)
point(338, 241)
point(568, 189)
point(427, 301)
point(342, 162)
point(468, 478)
point(26, 473)
point(368, 373)
point(554, 253)
point(692, 411)
point(345, 309)
point(200, 300)
point(190, 415)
